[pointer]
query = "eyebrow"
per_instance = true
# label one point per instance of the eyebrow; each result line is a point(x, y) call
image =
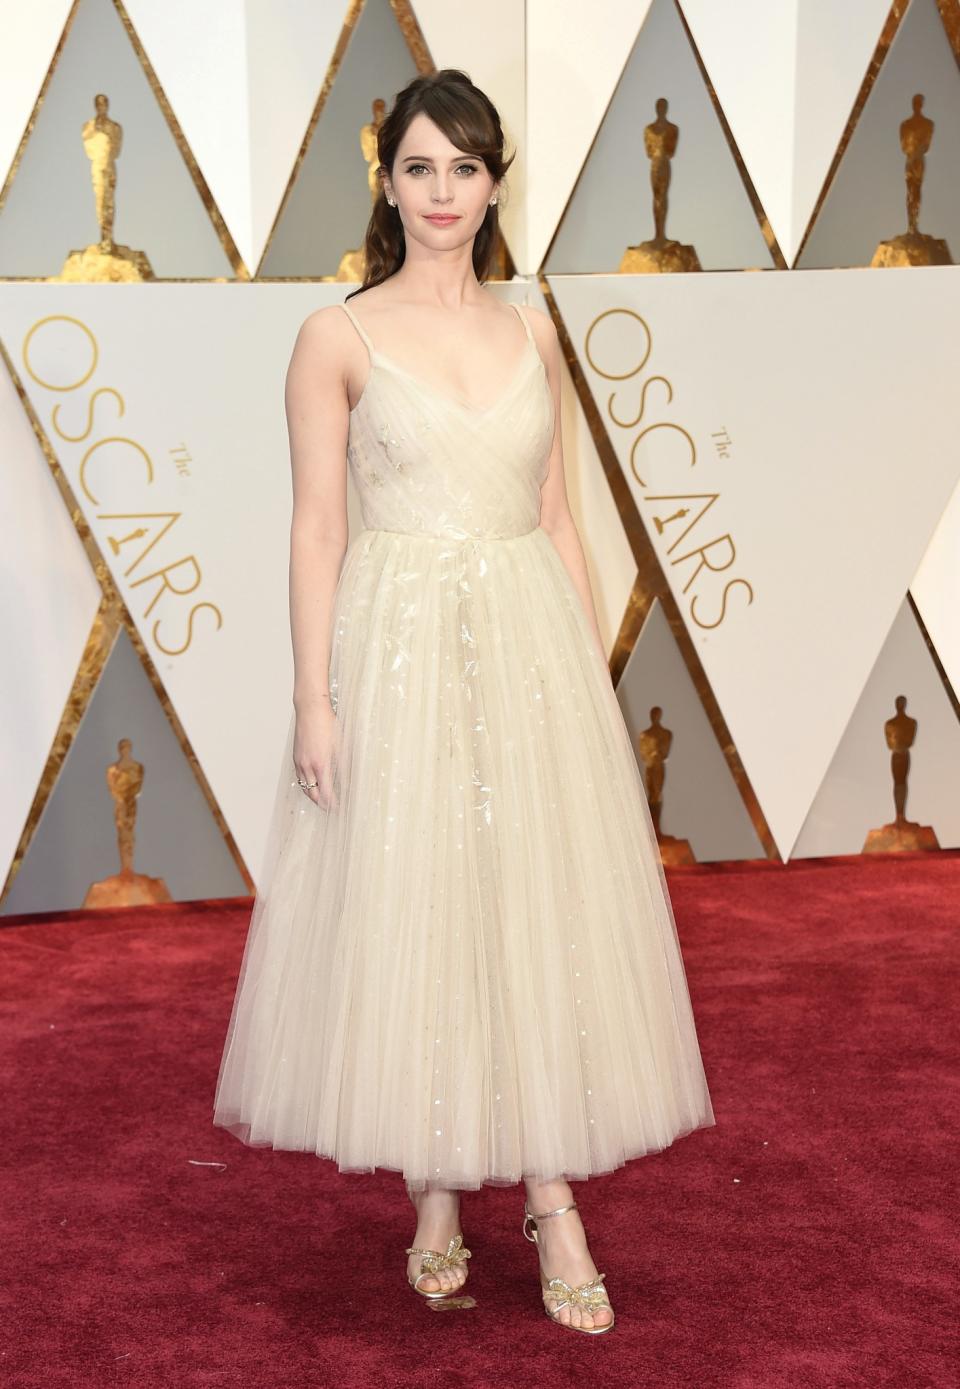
point(425, 158)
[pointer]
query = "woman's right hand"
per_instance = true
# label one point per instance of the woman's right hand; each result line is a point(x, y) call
point(316, 748)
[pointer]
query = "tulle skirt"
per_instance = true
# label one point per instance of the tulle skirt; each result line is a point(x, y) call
point(468, 971)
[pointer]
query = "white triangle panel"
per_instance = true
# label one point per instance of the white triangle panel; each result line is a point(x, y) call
point(243, 90)
point(857, 792)
point(574, 60)
point(866, 200)
point(30, 37)
point(51, 598)
point(936, 591)
point(50, 207)
point(786, 77)
point(708, 205)
point(188, 498)
point(701, 802)
point(835, 44)
point(177, 836)
point(767, 461)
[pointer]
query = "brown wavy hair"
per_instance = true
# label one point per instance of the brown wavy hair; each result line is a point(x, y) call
point(469, 119)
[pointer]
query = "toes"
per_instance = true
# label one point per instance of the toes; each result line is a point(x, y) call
point(443, 1280)
point(601, 1317)
point(428, 1282)
point(580, 1316)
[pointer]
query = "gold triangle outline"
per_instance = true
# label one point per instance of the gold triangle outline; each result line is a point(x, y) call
point(763, 221)
point(420, 53)
point(112, 604)
point(227, 243)
point(651, 583)
point(945, 681)
point(97, 650)
point(753, 197)
point(883, 45)
point(934, 655)
point(950, 17)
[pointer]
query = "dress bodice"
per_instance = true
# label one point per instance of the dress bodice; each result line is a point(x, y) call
point(427, 463)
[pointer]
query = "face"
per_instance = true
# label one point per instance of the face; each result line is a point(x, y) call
point(432, 177)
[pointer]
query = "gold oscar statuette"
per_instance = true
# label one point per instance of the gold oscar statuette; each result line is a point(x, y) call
point(104, 262)
point(126, 888)
point(353, 263)
point(654, 744)
point(913, 247)
point(901, 835)
point(661, 255)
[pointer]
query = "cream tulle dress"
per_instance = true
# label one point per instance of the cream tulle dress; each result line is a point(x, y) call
point(468, 971)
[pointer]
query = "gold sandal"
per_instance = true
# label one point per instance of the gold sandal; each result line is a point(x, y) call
point(591, 1296)
point(433, 1260)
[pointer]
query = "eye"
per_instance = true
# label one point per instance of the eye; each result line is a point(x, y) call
point(471, 168)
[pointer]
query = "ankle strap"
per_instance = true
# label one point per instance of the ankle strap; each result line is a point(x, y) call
point(559, 1211)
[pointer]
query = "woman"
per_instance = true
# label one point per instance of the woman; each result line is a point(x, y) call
point(462, 962)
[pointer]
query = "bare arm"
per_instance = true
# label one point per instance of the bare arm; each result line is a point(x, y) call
point(555, 515)
point(317, 421)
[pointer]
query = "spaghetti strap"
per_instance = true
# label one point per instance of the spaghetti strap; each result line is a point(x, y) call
point(365, 337)
point(525, 321)
point(360, 329)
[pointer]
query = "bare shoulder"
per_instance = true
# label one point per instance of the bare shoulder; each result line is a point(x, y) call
point(320, 364)
point(323, 329)
point(538, 316)
point(541, 324)
point(325, 349)
point(544, 332)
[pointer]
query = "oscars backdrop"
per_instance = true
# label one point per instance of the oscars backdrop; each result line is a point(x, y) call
point(743, 221)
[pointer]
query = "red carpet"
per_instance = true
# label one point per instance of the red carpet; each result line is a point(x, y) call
point(810, 1239)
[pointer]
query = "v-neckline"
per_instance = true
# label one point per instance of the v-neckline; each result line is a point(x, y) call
point(378, 358)
point(456, 401)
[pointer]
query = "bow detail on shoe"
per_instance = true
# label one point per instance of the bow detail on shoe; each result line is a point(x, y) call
point(433, 1260)
point(588, 1295)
